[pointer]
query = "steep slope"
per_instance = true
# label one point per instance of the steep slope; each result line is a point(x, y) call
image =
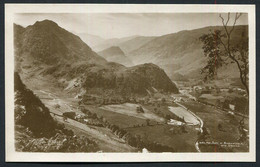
point(126, 81)
point(115, 54)
point(49, 51)
point(179, 52)
point(47, 43)
point(37, 131)
point(134, 43)
point(91, 40)
point(151, 75)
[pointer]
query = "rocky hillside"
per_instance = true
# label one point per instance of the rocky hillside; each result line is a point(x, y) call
point(36, 130)
point(47, 43)
point(45, 49)
point(181, 52)
point(115, 54)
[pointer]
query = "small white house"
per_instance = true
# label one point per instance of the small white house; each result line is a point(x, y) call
point(232, 107)
point(144, 150)
point(174, 122)
point(231, 113)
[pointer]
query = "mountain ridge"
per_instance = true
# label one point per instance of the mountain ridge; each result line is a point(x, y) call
point(47, 50)
point(180, 52)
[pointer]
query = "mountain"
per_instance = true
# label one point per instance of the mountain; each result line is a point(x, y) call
point(115, 54)
point(49, 51)
point(126, 81)
point(91, 40)
point(111, 42)
point(151, 75)
point(181, 52)
point(134, 43)
point(47, 43)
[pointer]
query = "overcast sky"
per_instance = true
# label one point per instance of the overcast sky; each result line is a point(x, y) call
point(117, 25)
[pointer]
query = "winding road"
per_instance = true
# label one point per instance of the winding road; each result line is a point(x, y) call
point(201, 123)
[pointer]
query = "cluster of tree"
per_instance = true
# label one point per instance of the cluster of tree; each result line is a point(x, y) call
point(167, 116)
point(139, 109)
point(88, 113)
point(240, 103)
point(92, 118)
point(87, 99)
point(99, 80)
point(70, 115)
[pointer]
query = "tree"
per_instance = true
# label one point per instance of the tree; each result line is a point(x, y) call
point(163, 100)
point(168, 117)
point(220, 50)
point(155, 110)
point(148, 122)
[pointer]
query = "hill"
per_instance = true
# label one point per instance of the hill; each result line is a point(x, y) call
point(111, 42)
point(47, 43)
point(181, 52)
point(115, 54)
point(90, 40)
point(135, 43)
point(47, 50)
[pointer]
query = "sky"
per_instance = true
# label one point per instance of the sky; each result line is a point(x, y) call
point(118, 25)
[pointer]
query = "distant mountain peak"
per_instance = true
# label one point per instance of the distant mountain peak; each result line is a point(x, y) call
point(46, 22)
point(115, 54)
point(113, 50)
point(46, 42)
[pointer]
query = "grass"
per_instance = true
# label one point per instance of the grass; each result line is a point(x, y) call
point(162, 110)
point(212, 118)
point(129, 109)
point(196, 107)
point(162, 134)
point(121, 120)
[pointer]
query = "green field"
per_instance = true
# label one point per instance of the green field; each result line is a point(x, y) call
point(162, 110)
point(163, 135)
point(121, 120)
point(129, 109)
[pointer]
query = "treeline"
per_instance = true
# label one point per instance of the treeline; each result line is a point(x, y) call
point(167, 116)
point(240, 103)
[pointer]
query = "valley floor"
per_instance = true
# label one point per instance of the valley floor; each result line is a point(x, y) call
point(149, 127)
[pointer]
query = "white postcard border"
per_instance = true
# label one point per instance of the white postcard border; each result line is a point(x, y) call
point(13, 156)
